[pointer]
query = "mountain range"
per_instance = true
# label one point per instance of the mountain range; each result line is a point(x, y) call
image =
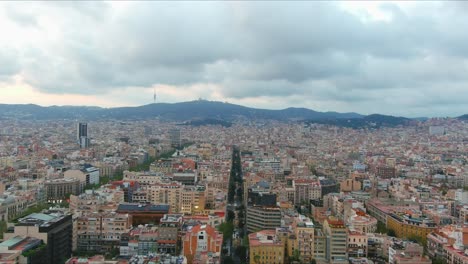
point(195, 112)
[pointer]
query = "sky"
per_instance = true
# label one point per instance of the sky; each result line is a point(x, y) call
point(399, 58)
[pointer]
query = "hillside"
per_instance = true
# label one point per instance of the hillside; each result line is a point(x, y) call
point(185, 111)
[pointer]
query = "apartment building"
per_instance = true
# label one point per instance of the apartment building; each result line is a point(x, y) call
point(266, 248)
point(406, 226)
point(100, 232)
point(337, 239)
point(357, 244)
point(306, 190)
point(166, 193)
point(59, 189)
point(192, 200)
point(304, 233)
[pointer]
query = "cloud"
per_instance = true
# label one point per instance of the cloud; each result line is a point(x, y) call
point(269, 54)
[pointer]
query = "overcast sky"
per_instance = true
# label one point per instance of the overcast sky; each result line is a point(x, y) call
point(402, 58)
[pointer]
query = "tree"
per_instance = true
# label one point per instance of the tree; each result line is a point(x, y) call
point(227, 260)
point(296, 256)
point(230, 215)
point(381, 228)
point(227, 228)
point(391, 233)
point(241, 252)
point(3, 228)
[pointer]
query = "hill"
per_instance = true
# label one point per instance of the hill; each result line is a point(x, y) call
point(185, 111)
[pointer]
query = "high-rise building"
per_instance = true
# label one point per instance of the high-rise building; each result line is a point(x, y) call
point(82, 130)
point(54, 228)
point(82, 135)
point(174, 136)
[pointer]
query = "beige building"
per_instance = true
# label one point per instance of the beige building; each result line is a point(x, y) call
point(266, 248)
point(143, 178)
point(58, 190)
point(350, 185)
point(304, 243)
point(337, 239)
point(192, 200)
point(166, 193)
point(357, 244)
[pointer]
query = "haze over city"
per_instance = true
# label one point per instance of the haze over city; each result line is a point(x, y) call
point(399, 58)
point(233, 132)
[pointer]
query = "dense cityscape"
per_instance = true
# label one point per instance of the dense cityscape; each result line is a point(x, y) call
point(233, 132)
point(153, 191)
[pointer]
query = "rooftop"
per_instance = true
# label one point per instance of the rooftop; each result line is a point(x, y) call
point(164, 208)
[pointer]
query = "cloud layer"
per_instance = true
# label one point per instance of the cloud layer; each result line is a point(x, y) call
point(389, 58)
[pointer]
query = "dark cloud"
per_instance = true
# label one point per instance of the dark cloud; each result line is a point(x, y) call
point(311, 51)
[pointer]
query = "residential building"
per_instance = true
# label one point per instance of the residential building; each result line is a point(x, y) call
point(357, 244)
point(266, 248)
point(100, 232)
point(60, 189)
point(337, 239)
point(407, 226)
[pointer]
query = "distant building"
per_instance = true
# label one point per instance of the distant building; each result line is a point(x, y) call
point(350, 185)
point(436, 130)
point(82, 130)
point(174, 137)
point(82, 135)
point(385, 172)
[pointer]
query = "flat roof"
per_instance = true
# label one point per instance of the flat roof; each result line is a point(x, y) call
point(144, 207)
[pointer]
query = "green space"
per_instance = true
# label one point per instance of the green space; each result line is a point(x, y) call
point(3, 228)
point(32, 209)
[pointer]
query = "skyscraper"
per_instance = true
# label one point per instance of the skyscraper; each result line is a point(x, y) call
point(82, 135)
point(82, 130)
point(174, 135)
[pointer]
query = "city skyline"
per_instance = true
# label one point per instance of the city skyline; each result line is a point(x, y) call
point(396, 58)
